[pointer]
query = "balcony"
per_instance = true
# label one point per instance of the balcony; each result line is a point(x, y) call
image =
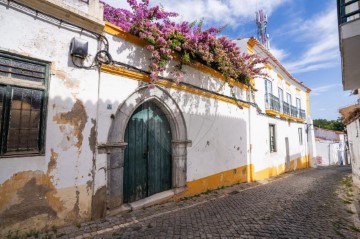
point(284, 110)
point(349, 29)
point(293, 111)
point(302, 114)
point(272, 102)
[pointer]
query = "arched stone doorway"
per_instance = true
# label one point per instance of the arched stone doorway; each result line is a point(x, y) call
point(160, 100)
point(147, 157)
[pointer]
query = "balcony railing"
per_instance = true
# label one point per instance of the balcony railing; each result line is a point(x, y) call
point(302, 114)
point(272, 102)
point(286, 108)
point(348, 10)
point(293, 111)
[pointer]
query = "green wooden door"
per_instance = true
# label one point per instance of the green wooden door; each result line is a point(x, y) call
point(147, 164)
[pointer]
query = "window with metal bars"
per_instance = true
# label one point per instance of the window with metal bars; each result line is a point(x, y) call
point(300, 136)
point(272, 138)
point(23, 94)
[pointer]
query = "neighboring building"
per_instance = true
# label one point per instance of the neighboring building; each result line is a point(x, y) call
point(349, 31)
point(330, 147)
point(351, 115)
point(79, 143)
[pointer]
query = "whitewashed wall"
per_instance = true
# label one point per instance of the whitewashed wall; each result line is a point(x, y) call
point(71, 117)
point(261, 157)
point(223, 136)
point(330, 153)
point(354, 146)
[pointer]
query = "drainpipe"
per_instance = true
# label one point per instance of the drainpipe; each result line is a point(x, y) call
point(250, 148)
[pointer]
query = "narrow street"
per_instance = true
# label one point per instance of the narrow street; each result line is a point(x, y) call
point(304, 204)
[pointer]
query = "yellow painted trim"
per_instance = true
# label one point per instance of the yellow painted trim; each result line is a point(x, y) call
point(117, 31)
point(143, 77)
point(267, 65)
point(252, 82)
point(207, 70)
point(297, 89)
point(272, 112)
point(289, 117)
point(250, 45)
point(223, 179)
point(288, 83)
point(308, 102)
point(241, 174)
point(299, 163)
point(280, 76)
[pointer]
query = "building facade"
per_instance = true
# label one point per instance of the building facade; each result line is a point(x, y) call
point(82, 138)
point(331, 147)
point(349, 31)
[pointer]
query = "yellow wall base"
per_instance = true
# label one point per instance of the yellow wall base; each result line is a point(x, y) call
point(239, 175)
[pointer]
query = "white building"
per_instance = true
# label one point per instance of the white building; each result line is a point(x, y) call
point(349, 30)
point(81, 143)
point(330, 147)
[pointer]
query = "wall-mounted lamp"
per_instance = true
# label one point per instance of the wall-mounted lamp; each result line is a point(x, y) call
point(79, 48)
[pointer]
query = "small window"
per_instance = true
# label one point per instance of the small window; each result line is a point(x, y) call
point(300, 136)
point(23, 85)
point(272, 138)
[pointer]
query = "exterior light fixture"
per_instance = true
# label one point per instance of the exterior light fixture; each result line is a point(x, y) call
point(79, 48)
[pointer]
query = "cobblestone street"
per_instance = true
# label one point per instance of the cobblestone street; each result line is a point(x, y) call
point(302, 204)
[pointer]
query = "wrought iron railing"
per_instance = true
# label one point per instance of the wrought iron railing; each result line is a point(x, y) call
point(348, 10)
point(293, 111)
point(302, 114)
point(286, 108)
point(272, 102)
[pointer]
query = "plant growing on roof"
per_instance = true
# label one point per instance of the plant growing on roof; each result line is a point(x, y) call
point(188, 40)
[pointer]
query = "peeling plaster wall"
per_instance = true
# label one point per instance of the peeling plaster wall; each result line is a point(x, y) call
point(70, 181)
point(54, 188)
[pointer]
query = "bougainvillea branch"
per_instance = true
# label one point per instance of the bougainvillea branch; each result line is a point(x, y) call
point(189, 40)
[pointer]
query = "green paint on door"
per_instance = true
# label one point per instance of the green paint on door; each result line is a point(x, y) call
point(147, 165)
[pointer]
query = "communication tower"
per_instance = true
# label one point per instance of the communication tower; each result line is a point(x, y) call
point(261, 22)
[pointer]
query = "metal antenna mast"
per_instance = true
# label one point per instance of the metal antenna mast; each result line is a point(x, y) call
point(261, 22)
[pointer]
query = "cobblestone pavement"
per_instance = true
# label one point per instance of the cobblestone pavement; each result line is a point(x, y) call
point(302, 204)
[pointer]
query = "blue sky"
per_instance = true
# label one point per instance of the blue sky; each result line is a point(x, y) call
point(303, 36)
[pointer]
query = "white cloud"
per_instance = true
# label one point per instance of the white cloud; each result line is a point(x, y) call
point(280, 54)
point(218, 12)
point(320, 37)
point(322, 89)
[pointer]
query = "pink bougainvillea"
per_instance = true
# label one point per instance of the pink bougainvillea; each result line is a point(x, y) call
point(189, 40)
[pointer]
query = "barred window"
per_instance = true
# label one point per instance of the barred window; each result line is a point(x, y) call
point(272, 138)
point(23, 90)
point(300, 136)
